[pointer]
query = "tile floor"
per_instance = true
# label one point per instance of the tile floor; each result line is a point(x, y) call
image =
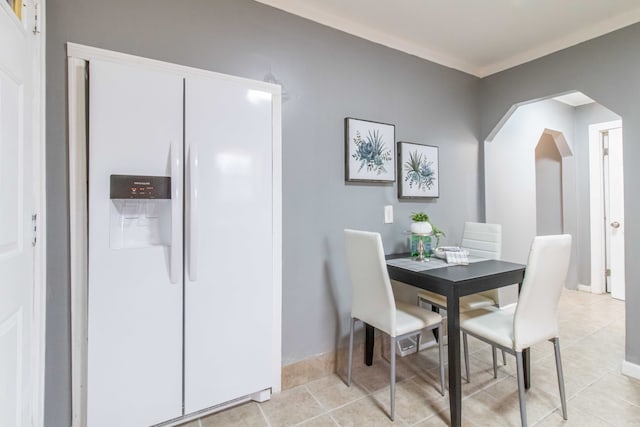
point(592, 346)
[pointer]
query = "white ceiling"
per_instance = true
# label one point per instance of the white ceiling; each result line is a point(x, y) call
point(575, 99)
point(480, 37)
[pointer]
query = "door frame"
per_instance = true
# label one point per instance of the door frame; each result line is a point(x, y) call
point(596, 204)
point(78, 56)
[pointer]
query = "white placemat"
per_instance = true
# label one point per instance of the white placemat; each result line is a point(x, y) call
point(413, 265)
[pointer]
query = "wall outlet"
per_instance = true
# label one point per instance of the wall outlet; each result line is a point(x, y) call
point(388, 214)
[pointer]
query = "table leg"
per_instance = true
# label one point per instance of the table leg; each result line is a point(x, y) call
point(526, 362)
point(455, 382)
point(369, 341)
point(435, 331)
point(526, 359)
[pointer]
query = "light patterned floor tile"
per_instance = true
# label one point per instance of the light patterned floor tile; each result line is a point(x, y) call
point(575, 419)
point(332, 392)
point(603, 405)
point(291, 407)
point(413, 403)
point(592, 346)
point(321, 421)
point(365, 412)
point(245, 415)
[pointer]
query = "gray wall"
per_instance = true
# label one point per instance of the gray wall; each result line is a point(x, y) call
point(606, 69)
point(327, 75)
point(548, 187)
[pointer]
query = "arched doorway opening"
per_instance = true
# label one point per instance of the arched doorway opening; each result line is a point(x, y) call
point(512, 181)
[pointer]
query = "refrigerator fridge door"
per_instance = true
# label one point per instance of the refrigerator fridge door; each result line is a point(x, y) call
point(134, 361)
point(229, 290)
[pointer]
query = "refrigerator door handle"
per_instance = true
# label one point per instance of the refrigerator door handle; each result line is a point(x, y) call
point(176, 226)
point(193, 212)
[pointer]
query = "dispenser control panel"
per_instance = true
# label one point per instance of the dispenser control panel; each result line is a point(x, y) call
point(140, 187)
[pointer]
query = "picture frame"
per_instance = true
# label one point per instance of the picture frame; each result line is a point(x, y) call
point(16, 7)
point(370, 151)
point(418, 171)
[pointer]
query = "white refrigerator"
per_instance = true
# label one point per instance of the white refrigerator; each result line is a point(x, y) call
point(181, 244)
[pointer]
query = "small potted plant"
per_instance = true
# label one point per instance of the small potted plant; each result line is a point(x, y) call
point(422, 225)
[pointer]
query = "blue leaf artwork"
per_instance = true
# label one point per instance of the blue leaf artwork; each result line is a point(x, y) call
point(371, 152)
point(419, 171)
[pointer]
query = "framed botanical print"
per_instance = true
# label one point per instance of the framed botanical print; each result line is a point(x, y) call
point(418, 171)
point(369, 151)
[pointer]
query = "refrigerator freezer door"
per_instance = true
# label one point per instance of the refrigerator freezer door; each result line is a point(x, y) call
point(229, 308)
point(134, 370)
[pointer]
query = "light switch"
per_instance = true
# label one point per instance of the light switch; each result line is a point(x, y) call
point(388, 214)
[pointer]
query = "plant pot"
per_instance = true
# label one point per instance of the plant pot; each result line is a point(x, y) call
point(421, 228)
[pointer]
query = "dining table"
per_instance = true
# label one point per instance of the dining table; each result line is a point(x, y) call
point(453, 282)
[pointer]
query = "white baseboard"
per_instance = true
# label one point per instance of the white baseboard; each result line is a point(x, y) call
point(584, 288)
point(631, 369)
point(508, 306)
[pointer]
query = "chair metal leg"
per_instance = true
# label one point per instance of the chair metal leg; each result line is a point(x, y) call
point(393, 377)
point(504, 358)
point(465, 346)
point(520, 369)
point(556, 346)
point(353, 321)
point(441, 354)
point(495, 363)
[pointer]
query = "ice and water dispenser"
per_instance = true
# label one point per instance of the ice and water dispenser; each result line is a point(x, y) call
point(140, 211)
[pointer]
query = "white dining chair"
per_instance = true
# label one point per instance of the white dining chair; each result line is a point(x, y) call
point(534, 318)
point(373, 302)
point(480, 240)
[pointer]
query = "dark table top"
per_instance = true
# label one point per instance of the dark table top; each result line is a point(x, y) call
point(471, 278)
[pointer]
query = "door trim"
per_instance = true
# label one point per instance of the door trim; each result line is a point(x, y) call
point(78, 243)
point(596, 204)
point(89, 53)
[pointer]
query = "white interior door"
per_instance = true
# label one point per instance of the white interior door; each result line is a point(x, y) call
point(614, 219)
point(229, 289)
point(134, 360)
point(18, 80)
point(605, 188)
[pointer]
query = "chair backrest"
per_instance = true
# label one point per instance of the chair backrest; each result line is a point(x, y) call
point(484, 241)
point(372, 296)
point(535, 318)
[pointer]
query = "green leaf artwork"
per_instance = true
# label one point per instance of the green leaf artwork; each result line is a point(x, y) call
point(419, 171)
point(371, 152)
